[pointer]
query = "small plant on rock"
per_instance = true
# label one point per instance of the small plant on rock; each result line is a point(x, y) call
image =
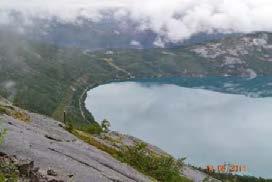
point(105, 124)
point(3, 133)
point(69, 127)
point(93, 128)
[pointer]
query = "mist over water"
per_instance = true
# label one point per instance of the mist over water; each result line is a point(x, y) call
point(205, 126)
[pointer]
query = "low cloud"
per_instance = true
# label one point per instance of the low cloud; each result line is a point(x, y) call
point(173, 21)
point(135, 43)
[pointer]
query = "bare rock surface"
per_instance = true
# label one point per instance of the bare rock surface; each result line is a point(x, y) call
point(45, 142)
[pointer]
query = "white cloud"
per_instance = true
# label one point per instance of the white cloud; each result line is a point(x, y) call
point(173, 20)
point(135, 43)
point(159, 43)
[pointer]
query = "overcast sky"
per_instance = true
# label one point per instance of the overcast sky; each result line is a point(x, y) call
point(174, 20)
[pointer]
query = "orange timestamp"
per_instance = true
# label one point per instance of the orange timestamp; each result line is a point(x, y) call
point(227, 168)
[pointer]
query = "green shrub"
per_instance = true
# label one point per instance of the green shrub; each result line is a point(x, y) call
point(3, 132)
point(162, 168)
point(69, 127)
point(8, 172)
point(2, 177)
point(105, 125)
point(94, 128)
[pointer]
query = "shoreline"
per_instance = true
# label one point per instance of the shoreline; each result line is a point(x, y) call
point(84, 111)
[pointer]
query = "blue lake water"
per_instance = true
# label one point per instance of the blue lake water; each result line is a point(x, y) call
point(209, 120)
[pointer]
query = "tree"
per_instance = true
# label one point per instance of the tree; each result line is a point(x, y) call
point(105, 125)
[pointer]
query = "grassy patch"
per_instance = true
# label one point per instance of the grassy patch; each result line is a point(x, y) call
point(3, 133)
point(92, 141)
point(15, 113)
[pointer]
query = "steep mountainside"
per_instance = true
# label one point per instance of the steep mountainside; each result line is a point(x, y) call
point(58, 155)
point(51, 147)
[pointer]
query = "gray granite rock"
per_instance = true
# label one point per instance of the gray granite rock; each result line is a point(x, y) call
point(53, 148)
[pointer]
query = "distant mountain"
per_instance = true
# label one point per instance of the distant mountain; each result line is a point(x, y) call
point(107, 33)
point(245, 55)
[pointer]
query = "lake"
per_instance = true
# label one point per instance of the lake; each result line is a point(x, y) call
point(209, 120)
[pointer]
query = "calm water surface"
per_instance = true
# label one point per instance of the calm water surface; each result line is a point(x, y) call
point(206, 126)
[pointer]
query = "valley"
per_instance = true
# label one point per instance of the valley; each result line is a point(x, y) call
point(50, 79)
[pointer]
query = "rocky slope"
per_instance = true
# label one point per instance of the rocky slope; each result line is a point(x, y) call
point(46, 143)
point(59, 155)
